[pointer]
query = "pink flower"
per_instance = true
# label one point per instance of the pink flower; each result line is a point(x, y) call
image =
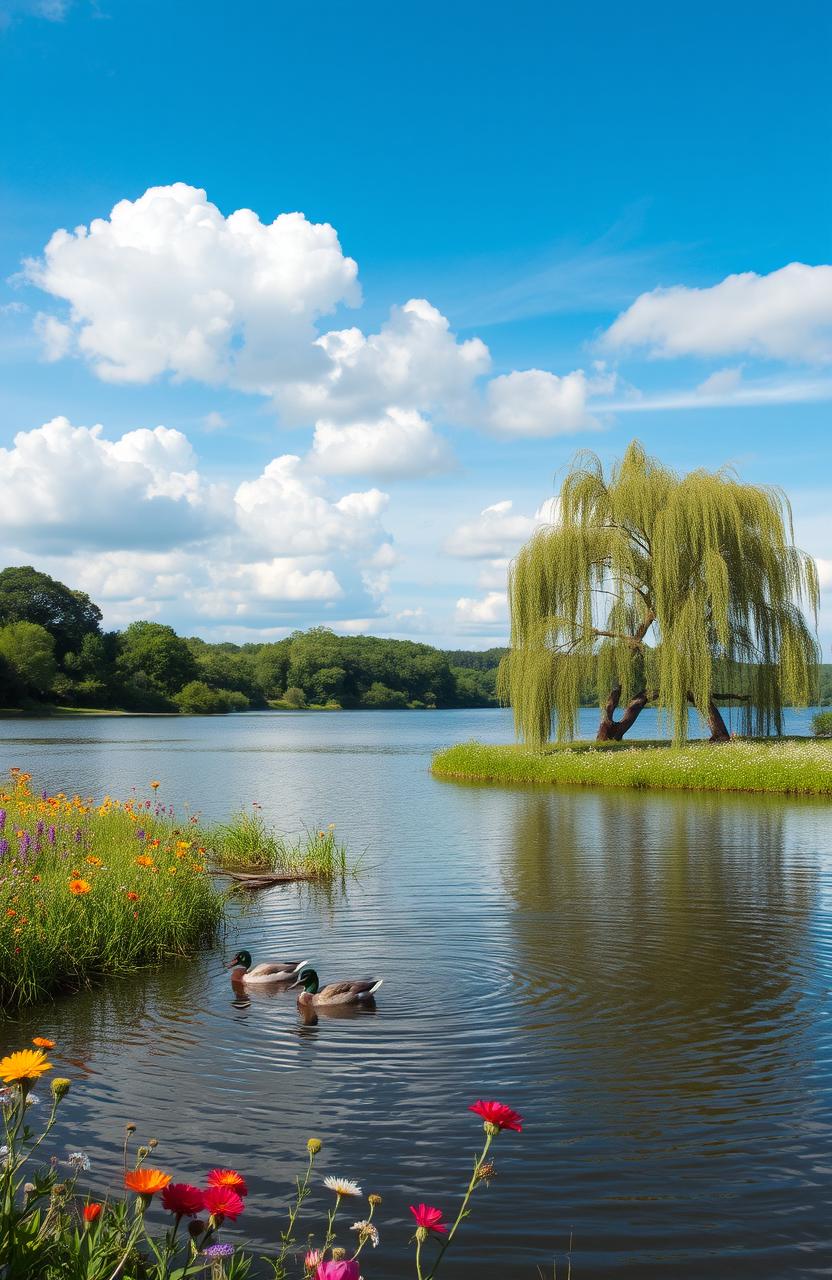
point(222, 1202)
point(312, 1260)
point(183, 1199)
point(428, 1217)
point(344, 1269)
point(498, 1115)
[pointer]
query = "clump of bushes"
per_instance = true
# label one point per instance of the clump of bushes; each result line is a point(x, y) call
point(822, 724)
point(198, 698)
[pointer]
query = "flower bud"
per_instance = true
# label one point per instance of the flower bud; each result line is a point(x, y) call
point(313, 1146)
point(153, 1143)
point(374, 1200)
point(491, 1128)
point(143, 1153)
point(338, 1255)
point(59, 1190)
point(130, 1127)
point(197, 1228)
point(421, 1234)
point(60, 1087)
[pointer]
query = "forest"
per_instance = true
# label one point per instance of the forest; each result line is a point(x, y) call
point(53, 652)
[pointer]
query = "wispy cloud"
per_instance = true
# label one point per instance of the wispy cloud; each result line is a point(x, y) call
point(722, 390)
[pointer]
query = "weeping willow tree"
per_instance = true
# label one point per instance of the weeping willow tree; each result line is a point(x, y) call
point(650, 587)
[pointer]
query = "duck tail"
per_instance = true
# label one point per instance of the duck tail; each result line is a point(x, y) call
point(374, 988)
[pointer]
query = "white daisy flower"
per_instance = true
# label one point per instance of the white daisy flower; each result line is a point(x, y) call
point(79, 1161)
point(343, 1186)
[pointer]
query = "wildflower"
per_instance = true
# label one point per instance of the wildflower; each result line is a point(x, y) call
point(23, 1066)
point(4, 848)
point(79, 1161)
point(92, 1212)
point(312, 1259)
point(218, 1251)
point(144, 860)
point(486, 1172)
point(155, 785)
point(338, 1269)
point(130, 1127)
point(342, 1186)
point(222, 1202)
point(427, 1219)
point(366, 1231)
point(11, 912)
point(227, 1178)
point(51, 835)
point(131, 896)
point(79, 887)
point(140, 835)
point(42, 1042)
point(497, 1116)
point(2, 819)
point(146, 1182)
point(60, 1087)
point(182, 1199)
point(313, 1146)
point(374, 1200)
point(93, 860)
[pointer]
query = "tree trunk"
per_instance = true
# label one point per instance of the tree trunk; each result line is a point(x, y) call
point(716, 724)
point(611, 730)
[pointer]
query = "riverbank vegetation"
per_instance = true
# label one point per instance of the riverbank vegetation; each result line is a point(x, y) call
point(54, 652)
point(682, 591)
point(786, 766)
point(51, 1229)
point(247, 843)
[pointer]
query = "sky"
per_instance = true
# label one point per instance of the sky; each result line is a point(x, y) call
point(305, 310)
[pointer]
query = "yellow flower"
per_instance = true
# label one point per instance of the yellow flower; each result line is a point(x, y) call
point(93, 861)
point(26, 1064)
point(79, 887)
point(155, 786)
point(144, 860)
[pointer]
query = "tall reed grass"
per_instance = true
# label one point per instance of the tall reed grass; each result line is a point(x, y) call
point(248, 843)
point(793, 767)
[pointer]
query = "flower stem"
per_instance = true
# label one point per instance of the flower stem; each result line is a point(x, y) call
point(330, 1220)
point(463, 1208)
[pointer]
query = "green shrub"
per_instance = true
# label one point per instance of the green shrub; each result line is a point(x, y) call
point(294, 698)
point(822, 724)
point(197, 698)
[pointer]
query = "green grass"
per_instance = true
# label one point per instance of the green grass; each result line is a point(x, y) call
point(790, 766)
point(247, 843)
point(144, 893)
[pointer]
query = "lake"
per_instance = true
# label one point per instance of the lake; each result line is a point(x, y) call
point(645, 977)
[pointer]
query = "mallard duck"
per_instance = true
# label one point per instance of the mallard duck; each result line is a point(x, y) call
point(360, 992)
point(276, 971)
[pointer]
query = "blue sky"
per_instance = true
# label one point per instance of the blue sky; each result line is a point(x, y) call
point(526, 229)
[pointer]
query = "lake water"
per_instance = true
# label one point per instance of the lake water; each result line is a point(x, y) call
point(645, 977)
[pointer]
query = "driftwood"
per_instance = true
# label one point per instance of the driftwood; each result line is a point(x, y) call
point(264, 879)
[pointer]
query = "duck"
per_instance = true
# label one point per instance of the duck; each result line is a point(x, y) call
point(270, 971)
point(335, 993)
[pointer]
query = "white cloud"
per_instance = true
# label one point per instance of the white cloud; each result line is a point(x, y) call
point(536, 403)
point(784, 315)
point(68, 484)
point(167, 284)
point(493, 575)
point(487, 610)
point(400, 443)
point(214, 421)
point(824, 573)
point(285, 511)
point(497, 532)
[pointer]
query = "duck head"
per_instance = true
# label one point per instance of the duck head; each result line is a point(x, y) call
point(240, 965)
point(308, 979)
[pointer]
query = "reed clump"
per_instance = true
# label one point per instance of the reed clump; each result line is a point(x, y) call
point(787, 767)
point(248, 843)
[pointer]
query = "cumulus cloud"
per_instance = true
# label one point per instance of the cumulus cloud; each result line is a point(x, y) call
point(167, 284)
point(64, 483)
point(533, 402)
point(401, 442)
point(496, 533)
point(483, 611)
point(786, 315)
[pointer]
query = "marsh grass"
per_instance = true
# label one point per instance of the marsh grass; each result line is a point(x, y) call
point(89, 890)
point(248, 843)
point(789, 767)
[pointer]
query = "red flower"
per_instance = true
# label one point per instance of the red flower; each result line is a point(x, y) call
point(499, 1115)
point(428, 1217)
point(182, 1199)
point(222, 1202)
point(92, 1212)
point(228, 1178)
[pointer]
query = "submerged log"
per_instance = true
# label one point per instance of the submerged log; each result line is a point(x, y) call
point(264, 879)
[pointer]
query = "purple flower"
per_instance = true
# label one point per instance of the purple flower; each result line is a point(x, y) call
point(140, 835)
point(24, 842)
point(78, 836)
point(2, 819)
point(51, 835)
point(4, 848)
point(218, 1251)
point(40, 827)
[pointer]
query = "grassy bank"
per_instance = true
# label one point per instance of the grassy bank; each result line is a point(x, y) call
point(793, 767)
point(90, 889)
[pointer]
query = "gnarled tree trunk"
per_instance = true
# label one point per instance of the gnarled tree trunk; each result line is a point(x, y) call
point(612, 730)
point(716, 724)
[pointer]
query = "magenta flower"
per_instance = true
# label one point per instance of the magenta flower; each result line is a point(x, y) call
point(498, 1115)
point(428, 1217)
point(343, 1269)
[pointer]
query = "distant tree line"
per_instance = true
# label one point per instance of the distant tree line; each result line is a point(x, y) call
point(53, 651)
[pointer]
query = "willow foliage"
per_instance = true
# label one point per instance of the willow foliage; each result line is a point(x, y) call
point(683, 588)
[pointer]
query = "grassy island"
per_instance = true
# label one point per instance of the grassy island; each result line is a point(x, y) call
point(785, 766)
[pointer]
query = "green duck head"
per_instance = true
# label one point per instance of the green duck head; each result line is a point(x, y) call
point(308, 979)
point(242, 958)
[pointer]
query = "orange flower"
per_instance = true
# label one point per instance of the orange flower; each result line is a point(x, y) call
point(146, 1182)
point(25, 1065)
point(43, 1043)
point(92, 1212)
point(144, 860)
point(131, 896)
point(79, 887)
point(155, 786)
point(228, 1178)
point(93, 861)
